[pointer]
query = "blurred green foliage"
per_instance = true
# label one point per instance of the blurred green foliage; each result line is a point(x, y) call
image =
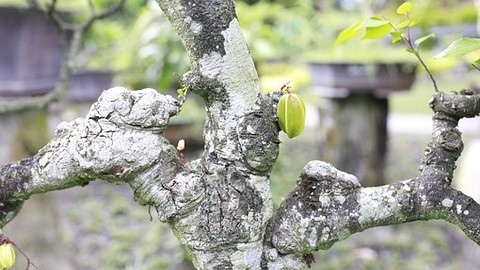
point(434, 12)
point(139, 44)
point(147, 52)
point(276, 31)
point(302, 33)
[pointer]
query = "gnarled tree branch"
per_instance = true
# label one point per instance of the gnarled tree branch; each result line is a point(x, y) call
point(220, 205)
point(328, 205)
point(118, 141)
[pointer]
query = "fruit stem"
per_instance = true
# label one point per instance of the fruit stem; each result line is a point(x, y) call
point(285, 88)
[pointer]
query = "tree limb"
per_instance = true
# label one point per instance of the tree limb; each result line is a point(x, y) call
point(118, 141)
point(329, 205)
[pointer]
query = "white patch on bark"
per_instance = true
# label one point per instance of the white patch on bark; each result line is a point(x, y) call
point(341, 199)
point(459, 209)
point(375, 204)
point(196, 28)
point(447, 203)
point(324, 200)
point(319, 169)
point(239, 72)
point(211, 65)
point(325, 234)
point(290, 262)
point(247, 256)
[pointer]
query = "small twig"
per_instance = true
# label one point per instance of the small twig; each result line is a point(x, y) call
point(91, 6)
point(475, 66)
point(29, 262)
point(416, 51)
point(285, 88)
point(51, 9)
point(6, 240)
point(69, 49)
point(183, 96)
point(150, 212)
point(105, 13)
point(417, 54)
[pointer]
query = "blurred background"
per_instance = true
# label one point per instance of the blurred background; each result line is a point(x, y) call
point(367, 113)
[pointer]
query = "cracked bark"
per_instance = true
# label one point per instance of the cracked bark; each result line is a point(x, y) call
point(220, 206)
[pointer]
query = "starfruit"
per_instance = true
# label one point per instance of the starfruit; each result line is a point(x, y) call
point(291, 114)
point(7, 256)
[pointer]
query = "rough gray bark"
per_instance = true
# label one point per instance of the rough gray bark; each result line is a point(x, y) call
point(220, 205)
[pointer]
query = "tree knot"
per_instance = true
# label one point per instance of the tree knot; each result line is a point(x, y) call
point(322, 171)
point(144, 108)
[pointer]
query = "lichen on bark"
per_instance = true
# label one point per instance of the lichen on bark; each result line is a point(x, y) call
point(220, 205)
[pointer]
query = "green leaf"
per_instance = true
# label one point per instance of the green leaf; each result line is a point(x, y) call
point(460, 47)
point(349, 33)
point(412, 51)
point(475, 65)
point(374, 21)
point(396, 36)
point(377, 31)
point(404, 24)
point(405, 7)
point(413, 22)
point(422, 39)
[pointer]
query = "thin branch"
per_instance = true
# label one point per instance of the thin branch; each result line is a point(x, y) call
point(328, 205)
point(407, 39)
point(475, 66)
point(91, 6)
point(29, 262)
point(105, 13)
point(69, 48)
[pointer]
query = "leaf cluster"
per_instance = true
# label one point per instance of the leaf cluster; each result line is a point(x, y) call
point(376, 27)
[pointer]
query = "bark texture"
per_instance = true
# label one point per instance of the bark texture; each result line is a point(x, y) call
point(220, 205)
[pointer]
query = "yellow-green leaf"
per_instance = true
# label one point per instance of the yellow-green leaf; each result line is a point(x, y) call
point(474, 65)
point(291, 114)
point(405, 7)
point(377, 32)
point(396, 36)
point(374, 21)
point(411, 51)
point(349, 33)
point(404, 24)
point(460, 47)
point(413, 22)
point(422, 39)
